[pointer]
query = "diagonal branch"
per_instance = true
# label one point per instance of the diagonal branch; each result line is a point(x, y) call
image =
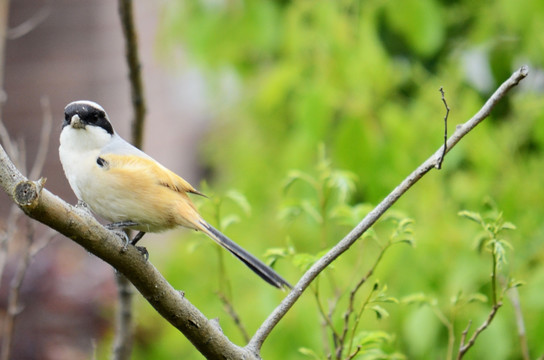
point(463, 129)
point(78, 225)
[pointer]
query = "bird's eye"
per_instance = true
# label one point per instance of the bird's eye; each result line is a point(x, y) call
point(93, 118)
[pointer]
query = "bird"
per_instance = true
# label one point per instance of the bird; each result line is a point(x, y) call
point(123, 185)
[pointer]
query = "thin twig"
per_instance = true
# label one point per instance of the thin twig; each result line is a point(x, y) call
point(123, 335)
point(352, 294)
point(463, 348)
point(327, 318)
point(4, 11)
point(122, 343)
point(44, 140)
point(513, 295)
point(278, 313)
point(234, 315)
point(13, 307)
point(441, 158)
point(30, 24)
point(30, 250)
point(449, 326)
point(133, 61)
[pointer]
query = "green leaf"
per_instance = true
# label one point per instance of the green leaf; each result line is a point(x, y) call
point(344, 183)
point(228, 220)
point(476, 297)
point(471, 215)
point(297, 175)
point(239, 199)
point(418, 299)
point(508, 226)
point(304, 261)
point(380, 311)
point(372, 339)
point(289, 213)
point(410, 242)
point(309, 209)
point(515, 283)
point(308, 352)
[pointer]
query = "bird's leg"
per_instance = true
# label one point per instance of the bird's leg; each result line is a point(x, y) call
point(121, 225)
point(141, 249)
point(124, 224)
point(137, 238)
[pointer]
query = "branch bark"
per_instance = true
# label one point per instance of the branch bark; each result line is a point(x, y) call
point(432, 162)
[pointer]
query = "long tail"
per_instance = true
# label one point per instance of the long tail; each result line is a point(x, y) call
point(264, 271)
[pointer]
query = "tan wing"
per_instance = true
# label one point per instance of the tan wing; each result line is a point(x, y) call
point(148, 167)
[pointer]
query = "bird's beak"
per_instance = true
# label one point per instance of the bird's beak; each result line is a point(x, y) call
point(76, 122)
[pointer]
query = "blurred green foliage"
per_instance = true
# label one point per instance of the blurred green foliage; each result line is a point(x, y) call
point(335, 103)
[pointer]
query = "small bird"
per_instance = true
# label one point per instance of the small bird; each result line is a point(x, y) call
point(124, 185)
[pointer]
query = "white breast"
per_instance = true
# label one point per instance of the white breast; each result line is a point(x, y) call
point(78, 151)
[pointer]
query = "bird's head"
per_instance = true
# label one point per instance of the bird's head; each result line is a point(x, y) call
point(86, 125)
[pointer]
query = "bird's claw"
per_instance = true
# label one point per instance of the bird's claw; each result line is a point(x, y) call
point(143, 251)
point(123, 235)
point(82, 205)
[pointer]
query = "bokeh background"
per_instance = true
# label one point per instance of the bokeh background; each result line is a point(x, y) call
point(246, 95)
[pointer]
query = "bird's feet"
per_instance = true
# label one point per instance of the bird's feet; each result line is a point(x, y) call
point(82, 205)
point(123, 235)
point(143, 251)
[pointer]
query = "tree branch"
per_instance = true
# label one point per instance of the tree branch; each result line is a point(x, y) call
point(463, 129)
point(81, 227)
point(135, 76)
point(463, 348)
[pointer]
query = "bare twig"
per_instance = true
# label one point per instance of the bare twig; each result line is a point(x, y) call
point(352, 294)
point(234, 315)
point(30, 250)
point(513, 295)
point(4, 11)
point(441, 158)
point(44, 140)
point(133, 61)
point(13, 307)
point(124, 319)
point(463, 129)
point(122, 344)
point(449, 326)
point(29, 24)
point(463, 348)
